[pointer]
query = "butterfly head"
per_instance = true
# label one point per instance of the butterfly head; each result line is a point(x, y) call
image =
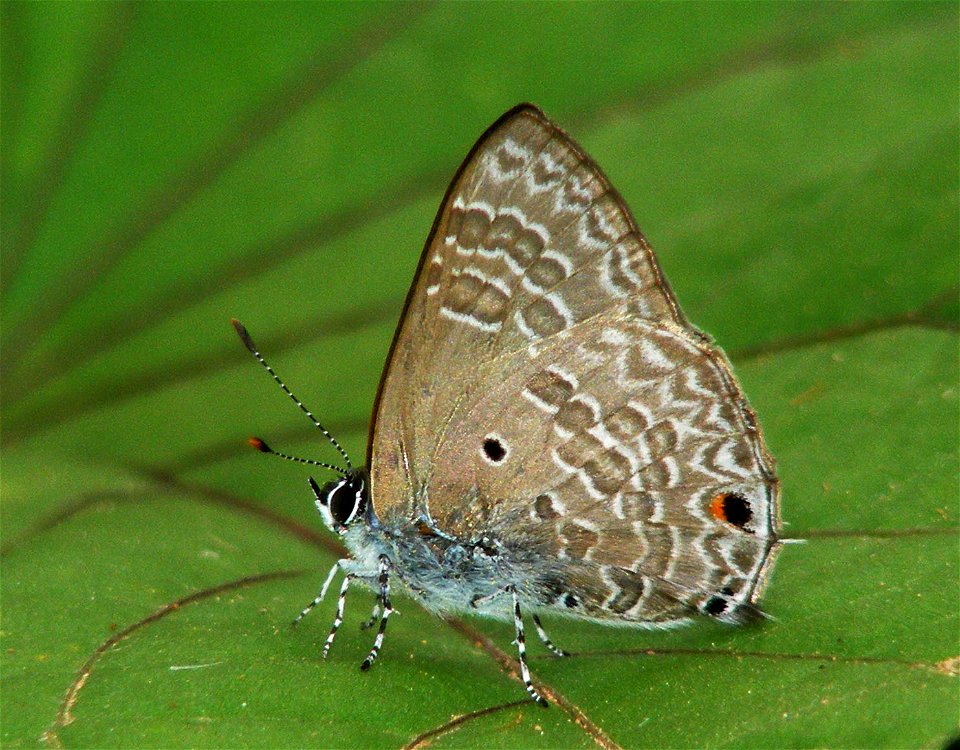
point(343, 501)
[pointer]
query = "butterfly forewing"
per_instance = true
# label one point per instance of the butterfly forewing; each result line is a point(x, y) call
point(514, 255)
point(545, 390)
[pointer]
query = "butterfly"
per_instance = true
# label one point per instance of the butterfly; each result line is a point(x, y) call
point(551, 435)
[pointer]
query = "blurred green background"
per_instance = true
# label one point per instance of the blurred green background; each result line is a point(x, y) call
point(168, 166)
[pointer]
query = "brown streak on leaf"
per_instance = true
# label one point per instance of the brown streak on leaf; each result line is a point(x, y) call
point(949, 667)
point(815, 390)
point(833, 658)
point(64, 714)
point(920, 318)
point(508, 666)
point(425, 739)
point(255, 260)
point(921, 531)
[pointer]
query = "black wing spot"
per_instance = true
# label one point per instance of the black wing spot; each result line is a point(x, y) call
point(715, 606)
point(733, 508)
point(494, 449)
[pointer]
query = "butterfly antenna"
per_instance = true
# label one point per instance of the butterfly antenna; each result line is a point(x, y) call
point(264, 448)
point(248, 342)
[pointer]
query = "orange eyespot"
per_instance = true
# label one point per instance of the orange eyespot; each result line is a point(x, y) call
point(731, 508)
point(716, 508)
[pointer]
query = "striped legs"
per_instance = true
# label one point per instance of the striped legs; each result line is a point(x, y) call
point(383, 600)
point(482, 601)
point(387, 611)
point(545, 639)
point(522, 650)
point(323, 591)
point(338, 618)
point(385, 608)
point(341, 600)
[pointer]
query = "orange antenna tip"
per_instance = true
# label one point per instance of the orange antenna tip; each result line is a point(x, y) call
point(257, 443)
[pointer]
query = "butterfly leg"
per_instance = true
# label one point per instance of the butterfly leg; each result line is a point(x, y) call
point(367, 624)
point(323, 592)
point(387, 611)
point(522, 650)
point(338, 619)
point(545, 639)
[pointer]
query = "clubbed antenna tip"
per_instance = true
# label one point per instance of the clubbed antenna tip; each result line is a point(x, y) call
point(244, 336)
point(257, 443)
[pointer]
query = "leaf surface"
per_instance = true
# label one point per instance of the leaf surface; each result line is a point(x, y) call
point(166, 168)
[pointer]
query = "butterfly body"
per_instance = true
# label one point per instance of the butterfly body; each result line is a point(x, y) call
point(446, 576)
point(550, 430)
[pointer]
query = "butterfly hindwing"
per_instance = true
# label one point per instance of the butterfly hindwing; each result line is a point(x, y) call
point(616, 443)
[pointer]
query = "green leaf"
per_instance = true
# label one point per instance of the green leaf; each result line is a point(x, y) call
point(168, 167)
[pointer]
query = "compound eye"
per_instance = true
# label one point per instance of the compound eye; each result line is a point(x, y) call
point(347, 500)
point(343, 502)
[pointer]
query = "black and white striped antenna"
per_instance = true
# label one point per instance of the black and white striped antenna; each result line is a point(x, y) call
point(259, 444)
